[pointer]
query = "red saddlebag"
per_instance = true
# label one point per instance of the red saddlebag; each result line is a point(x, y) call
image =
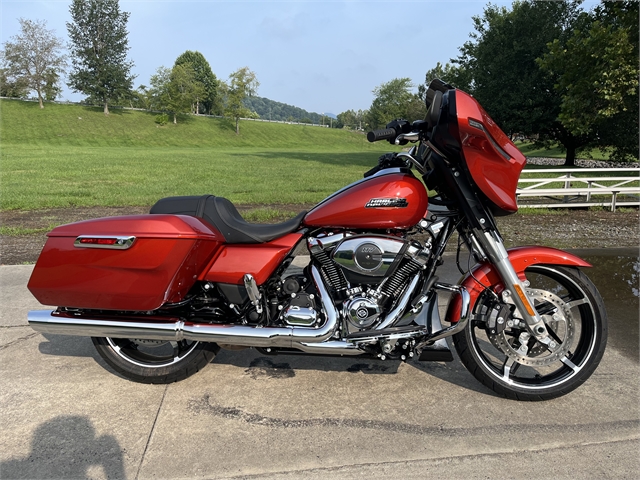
point(123, 263)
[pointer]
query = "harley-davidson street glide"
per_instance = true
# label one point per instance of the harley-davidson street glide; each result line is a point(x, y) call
point(160, 294)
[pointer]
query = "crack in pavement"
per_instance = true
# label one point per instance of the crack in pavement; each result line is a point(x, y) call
point(18, 340)
point(204, 406)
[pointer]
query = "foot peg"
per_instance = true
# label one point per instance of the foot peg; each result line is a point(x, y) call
point(433, 353)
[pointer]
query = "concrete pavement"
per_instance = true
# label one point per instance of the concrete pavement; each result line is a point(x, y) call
point(65, 414)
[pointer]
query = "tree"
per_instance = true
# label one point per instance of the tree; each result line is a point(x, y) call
point(99, 47)
point(505, 77)
point(140, 98)
point(210, 101)
point(33, 59)
point(242, 83)
point(596, 73)
point(12, 88)
point(392, 100)
point(455, 75)
point(175, 90)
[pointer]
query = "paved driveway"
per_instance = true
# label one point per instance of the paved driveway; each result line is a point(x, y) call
point(66, 415)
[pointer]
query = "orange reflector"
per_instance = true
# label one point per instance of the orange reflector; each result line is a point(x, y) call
point(525, 300)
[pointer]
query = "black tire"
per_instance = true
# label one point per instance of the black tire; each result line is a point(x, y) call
point(155, 362)
point(488, 346)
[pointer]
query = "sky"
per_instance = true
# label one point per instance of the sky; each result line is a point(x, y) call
point(323, 56)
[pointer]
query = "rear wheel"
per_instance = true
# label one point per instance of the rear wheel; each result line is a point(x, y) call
point(150, 361)
point(498, 349)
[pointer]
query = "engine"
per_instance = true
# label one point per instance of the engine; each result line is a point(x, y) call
point(367, 272)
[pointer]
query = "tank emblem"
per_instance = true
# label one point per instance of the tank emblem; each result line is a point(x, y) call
point(387, 202)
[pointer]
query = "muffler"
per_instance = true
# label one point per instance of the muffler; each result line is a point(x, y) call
point(49, 321)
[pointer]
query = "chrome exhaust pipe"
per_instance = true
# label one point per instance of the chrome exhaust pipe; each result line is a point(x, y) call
point(47, 321)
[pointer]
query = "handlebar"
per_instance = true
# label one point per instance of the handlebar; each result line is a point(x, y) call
point(385, 134)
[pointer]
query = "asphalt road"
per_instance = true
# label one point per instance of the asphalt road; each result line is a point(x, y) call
point(65, 414)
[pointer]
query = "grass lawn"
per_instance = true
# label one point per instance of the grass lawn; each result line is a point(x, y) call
point(530, 150)
point(45, 177)
point(69, 155)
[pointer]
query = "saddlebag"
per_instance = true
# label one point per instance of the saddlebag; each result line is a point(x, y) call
point(134, 263)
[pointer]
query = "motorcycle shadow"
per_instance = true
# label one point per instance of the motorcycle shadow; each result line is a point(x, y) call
point(258, 365)
point(67, 346)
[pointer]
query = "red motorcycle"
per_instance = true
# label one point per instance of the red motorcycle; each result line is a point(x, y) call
point(160, 294)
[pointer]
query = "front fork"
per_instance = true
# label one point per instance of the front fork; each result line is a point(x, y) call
point(514, 289)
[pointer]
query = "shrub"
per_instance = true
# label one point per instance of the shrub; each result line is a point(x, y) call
point(162, 119)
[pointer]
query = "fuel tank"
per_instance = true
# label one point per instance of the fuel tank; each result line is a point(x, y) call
point(391, 199)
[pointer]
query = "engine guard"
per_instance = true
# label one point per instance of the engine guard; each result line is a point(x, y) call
point(521, 258)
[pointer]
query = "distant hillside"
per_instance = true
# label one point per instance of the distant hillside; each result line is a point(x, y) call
point(272, 110)
point(23, 123)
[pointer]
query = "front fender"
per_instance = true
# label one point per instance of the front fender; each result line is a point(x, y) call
point(484, 274)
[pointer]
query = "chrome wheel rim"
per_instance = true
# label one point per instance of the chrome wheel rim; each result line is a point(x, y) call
point(150, 353)
point(569, 316)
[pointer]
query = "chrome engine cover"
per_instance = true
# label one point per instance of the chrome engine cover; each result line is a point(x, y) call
point(369, 255)
point(361, 312)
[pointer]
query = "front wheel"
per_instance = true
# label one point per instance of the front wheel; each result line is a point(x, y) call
point(497, 348)
point(150, 361)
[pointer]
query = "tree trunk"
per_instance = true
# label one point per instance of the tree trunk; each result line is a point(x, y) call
point(40, 99)
point(106, 108)
point(175, 119)
point(237, 126)
point(570, 159)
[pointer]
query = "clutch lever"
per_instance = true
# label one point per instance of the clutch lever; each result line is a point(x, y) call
point(407, 137)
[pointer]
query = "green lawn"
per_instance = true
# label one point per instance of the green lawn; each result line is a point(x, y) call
point(43, 177)
point(69, 155)
point(530, 150)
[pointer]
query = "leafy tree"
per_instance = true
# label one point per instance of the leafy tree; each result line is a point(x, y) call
point(210, 101)
point(455, 75)
point(33, 60)
point(597, 77)
point(506, 79)
point(353, 120)
point(12, 88)
point(140, 98)
point(392, 100)
point(52, 88)
point(99, 46)
point(242, 83)
point(159, 91)
point(175, 90)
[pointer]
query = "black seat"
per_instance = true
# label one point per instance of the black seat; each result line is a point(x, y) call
point(222, 215)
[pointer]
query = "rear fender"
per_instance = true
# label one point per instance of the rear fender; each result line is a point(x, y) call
point(485, 275)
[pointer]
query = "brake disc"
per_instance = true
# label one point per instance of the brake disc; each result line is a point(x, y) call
point(559, 319)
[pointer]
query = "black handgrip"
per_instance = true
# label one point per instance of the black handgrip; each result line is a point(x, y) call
point(385, 134)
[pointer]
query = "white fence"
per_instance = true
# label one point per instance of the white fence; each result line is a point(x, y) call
point(579, 187)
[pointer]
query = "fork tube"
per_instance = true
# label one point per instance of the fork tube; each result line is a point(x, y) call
point(514, 287)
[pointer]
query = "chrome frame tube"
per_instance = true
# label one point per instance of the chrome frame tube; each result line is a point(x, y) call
point(456, 327)
point(395, 314)
point(331, 347)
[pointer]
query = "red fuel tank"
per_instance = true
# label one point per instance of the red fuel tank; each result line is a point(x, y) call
point(388, 200)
